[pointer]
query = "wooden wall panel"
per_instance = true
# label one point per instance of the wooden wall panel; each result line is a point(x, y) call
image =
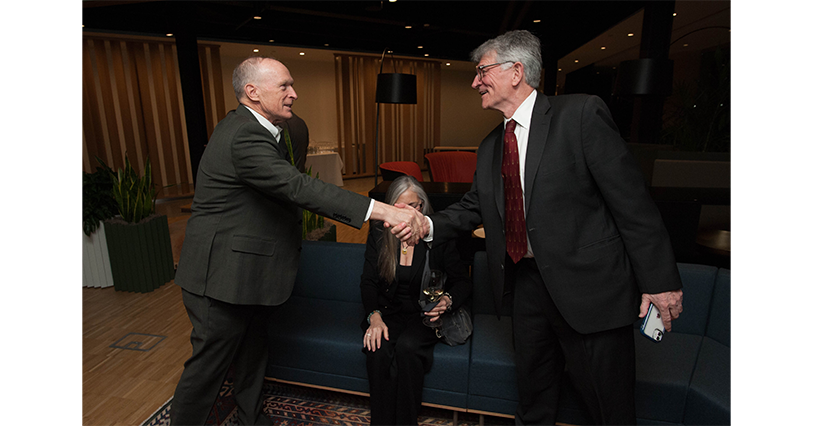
point(133, 105)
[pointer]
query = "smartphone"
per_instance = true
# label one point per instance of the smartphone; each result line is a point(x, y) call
point(652, 327)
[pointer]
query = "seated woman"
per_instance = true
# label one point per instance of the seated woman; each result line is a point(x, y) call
point(398, 345)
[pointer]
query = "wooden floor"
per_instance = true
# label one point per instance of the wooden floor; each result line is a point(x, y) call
point(134, 345)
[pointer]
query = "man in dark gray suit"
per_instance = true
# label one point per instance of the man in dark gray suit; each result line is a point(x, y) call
point(583, 249)
point(242, 243)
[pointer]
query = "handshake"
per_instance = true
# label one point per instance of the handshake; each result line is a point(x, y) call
point(407, 224)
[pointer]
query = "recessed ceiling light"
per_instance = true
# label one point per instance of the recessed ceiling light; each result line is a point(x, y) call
point(448, 64)
point(685, 44)
point(256, 50)
point(408, 26)
point(258, 17)
point(327, 44)
point(674, 14)
point(425, 54)
point(630, 34)
point(603, 47)
point(301, 53)
point(560, 70)
point(425, 25)
point(536, 21)
point(420, 47)
point(170, 35)
point(576, 61)
point(270, 41)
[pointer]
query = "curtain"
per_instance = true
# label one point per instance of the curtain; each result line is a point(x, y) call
point(406, 132)
point(132, 105)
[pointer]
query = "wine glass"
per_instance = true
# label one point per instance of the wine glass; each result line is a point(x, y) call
point(434, 291)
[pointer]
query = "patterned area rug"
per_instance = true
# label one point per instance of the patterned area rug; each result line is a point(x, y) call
point(293, 405)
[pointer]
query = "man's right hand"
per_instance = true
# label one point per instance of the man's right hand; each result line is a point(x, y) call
point(407, 223)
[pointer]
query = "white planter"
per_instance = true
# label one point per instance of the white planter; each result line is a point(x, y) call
point(96, 270)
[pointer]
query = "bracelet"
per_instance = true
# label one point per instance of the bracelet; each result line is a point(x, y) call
point(371, 314)
point(450, 300)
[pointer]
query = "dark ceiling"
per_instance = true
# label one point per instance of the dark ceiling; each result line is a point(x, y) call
point(445, 29)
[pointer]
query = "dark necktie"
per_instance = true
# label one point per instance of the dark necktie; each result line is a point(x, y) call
point(515, 240)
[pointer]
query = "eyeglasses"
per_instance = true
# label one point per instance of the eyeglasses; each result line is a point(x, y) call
point(417, 206)
point(481, 69)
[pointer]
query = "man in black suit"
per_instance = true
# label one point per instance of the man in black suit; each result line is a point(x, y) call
point(241, 250)
point(300, 139)
point(570, 229)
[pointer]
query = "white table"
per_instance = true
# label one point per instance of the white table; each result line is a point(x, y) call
point(329, 166)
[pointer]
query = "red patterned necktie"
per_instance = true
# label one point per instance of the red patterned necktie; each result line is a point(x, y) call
point(515, 240)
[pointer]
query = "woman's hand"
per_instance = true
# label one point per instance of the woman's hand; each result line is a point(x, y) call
point(443, 305)
point(376, 330)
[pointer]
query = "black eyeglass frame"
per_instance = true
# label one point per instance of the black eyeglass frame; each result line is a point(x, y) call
point(481, 69)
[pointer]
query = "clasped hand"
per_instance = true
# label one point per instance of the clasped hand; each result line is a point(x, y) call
point(669, 303)
point(407, 224)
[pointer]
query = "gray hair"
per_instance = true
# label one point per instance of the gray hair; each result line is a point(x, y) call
point(249, 71)
point(388, 255)
point(515, 46)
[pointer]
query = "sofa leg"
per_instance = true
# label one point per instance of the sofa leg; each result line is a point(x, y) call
point(454, 418)
point(482, 420)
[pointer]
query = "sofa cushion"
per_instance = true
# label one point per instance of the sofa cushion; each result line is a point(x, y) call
point(492, 378)
point(329, 270)
point(663, 372)
point(318, 335)
point(719, 327)
point(698, 286)
point(709, 398)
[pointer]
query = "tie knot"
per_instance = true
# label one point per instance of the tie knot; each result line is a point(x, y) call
point(510, 126)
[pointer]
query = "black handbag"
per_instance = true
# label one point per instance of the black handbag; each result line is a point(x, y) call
point(456, 327)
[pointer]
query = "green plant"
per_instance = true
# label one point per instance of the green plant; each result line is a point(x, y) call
point(310, 220)
point(134, 194)
point(700, 117)
point(98, 203)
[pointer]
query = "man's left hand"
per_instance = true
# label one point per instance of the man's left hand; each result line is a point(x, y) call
point(670, 303)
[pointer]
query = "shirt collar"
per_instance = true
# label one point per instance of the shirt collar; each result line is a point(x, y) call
point(275, 130)
point(523, 114)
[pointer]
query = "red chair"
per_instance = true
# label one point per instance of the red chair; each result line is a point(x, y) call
point(452, 166)
point(393, 169)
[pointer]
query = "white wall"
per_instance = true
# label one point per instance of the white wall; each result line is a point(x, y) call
point(462, 121)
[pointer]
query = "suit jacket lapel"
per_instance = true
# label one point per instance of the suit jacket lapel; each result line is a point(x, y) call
point(537, 138)
point(496, 173)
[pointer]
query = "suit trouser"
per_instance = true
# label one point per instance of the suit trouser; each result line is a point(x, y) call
point(396, 370)
point(600, 365)
point(222, 335)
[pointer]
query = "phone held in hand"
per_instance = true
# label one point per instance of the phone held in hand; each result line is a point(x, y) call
point(652, 328)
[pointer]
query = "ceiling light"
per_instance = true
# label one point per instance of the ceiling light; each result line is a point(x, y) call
point(270, 41)
point(256, 50)
point(630, 34)
point(408, 26)
point(420, 47)
point(425, 25)
point(603, 47)
point(327, 44)
point(425, 54)
point(448, 64)
point(685, 44)
point(301, 53)
point(674, 14)
point(393, 1)
point(576, 61)
point(170, 35)
point(536, 21)
point(258, 17)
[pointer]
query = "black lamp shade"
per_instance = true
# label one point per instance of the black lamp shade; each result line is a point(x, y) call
point(396, 89)
point(646, 76)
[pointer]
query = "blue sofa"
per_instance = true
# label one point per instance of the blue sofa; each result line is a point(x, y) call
point(316, 341)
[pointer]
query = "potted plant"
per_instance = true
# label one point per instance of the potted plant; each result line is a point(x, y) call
point(98, 205)
point(138, 240)
point(313, 225)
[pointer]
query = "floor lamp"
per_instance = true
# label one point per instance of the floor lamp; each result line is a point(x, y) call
point(392, 88)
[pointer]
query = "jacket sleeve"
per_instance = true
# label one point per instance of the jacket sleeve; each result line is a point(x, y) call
point(622, 185)
point(258, 161)
point(370, 278)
